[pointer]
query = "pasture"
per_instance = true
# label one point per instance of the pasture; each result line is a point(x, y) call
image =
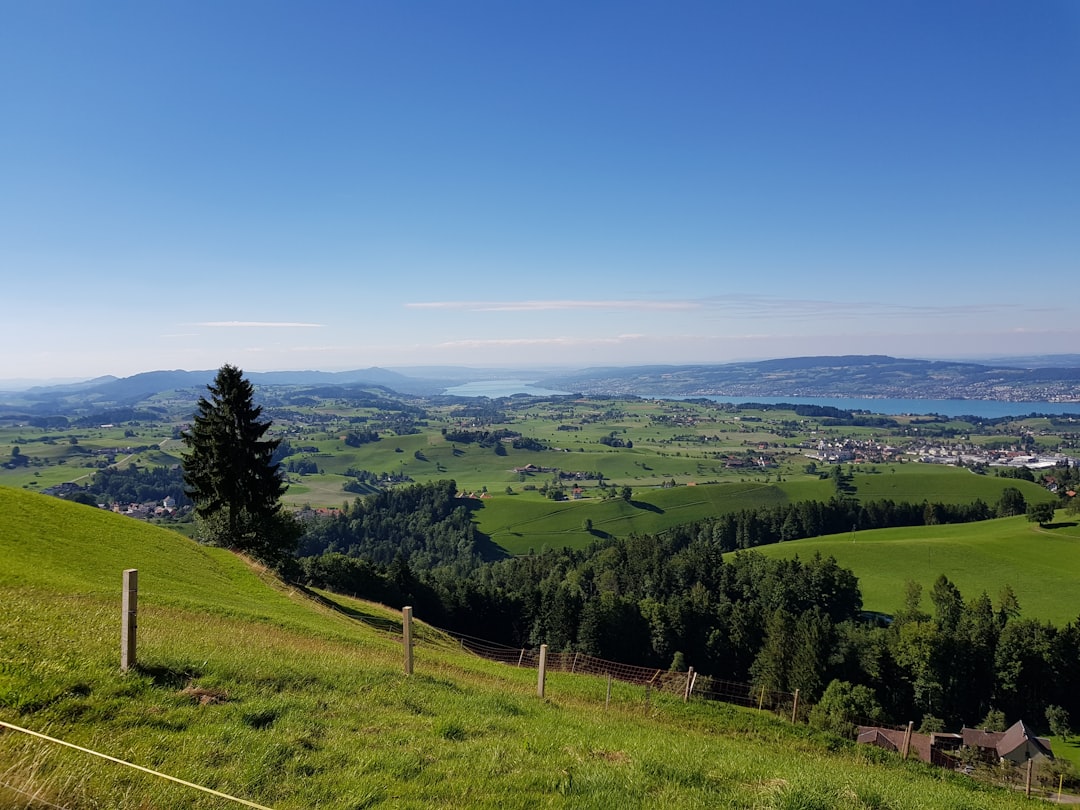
point(258, 691)
point(1042, 565)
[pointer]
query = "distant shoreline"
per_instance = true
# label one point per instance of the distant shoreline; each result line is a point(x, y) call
point(988, 409)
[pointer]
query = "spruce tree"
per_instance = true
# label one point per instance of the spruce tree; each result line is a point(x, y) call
point(231, 476)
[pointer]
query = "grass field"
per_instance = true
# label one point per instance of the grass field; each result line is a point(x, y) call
point(254, 690)
point(938, 482)
point(519, 523)
point(1041, 565)
point(525, 521)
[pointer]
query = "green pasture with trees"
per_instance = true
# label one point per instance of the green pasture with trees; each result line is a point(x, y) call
point(1040, 565)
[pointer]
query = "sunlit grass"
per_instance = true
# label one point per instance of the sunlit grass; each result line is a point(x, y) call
point(1041, 565)
point(263, 693)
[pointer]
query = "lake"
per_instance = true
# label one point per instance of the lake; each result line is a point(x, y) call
point(988, 409)
point(501, 388)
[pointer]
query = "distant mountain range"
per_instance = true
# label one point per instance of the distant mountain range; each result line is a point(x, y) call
point(869, 376)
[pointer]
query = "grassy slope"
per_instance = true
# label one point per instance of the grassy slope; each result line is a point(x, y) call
point(1041, 565)
point(520, 522)
point(308, 707)
point(939, 482)
point(527, 521)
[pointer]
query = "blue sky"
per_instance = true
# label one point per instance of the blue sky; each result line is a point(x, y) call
point(340, 185)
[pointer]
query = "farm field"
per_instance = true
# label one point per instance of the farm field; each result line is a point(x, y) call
point(937, 482)
point(262, 693)
point(522, 522)
point(1042, 565)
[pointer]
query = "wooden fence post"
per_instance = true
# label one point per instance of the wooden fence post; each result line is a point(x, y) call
point(406, 638)
point(607, 701)
point(795, 707)
point(761, 699)
point(689, 684)
point(129, 610)
point(1027, 781)
point(543, 671)
point(907, 739)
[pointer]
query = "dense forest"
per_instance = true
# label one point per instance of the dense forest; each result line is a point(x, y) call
point(671, 599)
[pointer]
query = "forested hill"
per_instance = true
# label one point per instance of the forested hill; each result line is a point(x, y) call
point(841, 376)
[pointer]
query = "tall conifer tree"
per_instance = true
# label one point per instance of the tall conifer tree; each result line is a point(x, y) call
point(230, 473)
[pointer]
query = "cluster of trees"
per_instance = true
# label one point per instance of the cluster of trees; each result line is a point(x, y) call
point(748, 528)
point(135, 484)
point(302, 466)
point(971, 658)
point(356, 438)
point(528, 443)
point(611, 440)
point(423, 523)
point(484, 438)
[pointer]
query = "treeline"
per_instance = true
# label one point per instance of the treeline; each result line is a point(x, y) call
point(764, 525)
point(484, 438)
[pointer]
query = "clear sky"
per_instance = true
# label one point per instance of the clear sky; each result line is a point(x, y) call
point(334, 185)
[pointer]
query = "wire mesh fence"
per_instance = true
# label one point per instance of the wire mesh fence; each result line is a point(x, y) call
point(687, 684)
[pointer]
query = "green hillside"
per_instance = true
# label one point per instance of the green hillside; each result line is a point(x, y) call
point(258, 691)
point(1042, 565)
point(523, 521)
point(519, 523)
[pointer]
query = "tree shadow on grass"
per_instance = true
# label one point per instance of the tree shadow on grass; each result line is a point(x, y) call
point(169, 677)
point(1064, 525)
point(357, 612)
point(489, 550)
point(647, 507)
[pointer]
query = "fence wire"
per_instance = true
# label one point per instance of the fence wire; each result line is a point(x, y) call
point(680, 683)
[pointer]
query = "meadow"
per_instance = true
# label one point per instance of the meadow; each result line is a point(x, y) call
point(1041, 565)
point(257, 690)
point(526, 521)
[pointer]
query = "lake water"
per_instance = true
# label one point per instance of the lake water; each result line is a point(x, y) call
point(501, 388)
point(988, 409)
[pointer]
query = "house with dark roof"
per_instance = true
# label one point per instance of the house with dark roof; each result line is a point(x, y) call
point(1017, 744)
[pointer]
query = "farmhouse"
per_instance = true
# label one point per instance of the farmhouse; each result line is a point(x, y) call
point(1016, 745)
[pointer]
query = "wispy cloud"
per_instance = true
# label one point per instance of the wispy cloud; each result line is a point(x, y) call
point(549, 341)
point(547, 306)
point(259, 325)
point(741, 306)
